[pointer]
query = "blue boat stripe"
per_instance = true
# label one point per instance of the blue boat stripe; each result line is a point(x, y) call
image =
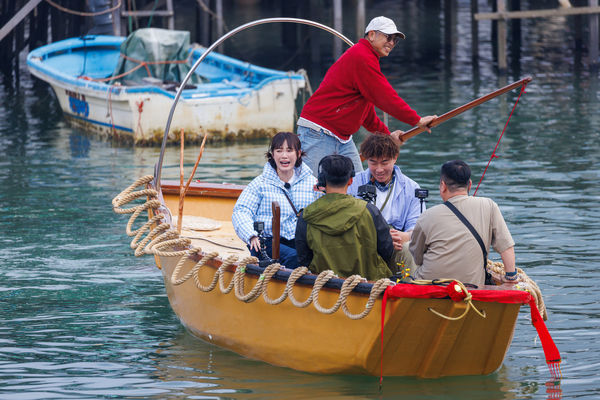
point(122, 128)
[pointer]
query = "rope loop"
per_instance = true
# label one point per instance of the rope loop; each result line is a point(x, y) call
point(289, 287)
point(268, 275)
point(238, 277)
point(378, 288)
point(321, 280)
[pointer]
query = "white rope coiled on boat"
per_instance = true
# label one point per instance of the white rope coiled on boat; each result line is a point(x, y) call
point(164, 241)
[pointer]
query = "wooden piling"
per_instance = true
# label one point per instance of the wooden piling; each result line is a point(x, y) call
point(593, 48)
point(315, 38)
point(360, 20)
point(219, 12)
point(337, 25)
point(515, 25)
point(502, 64)
point(474, 34)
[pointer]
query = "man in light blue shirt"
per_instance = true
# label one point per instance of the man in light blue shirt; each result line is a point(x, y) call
point(395, 192)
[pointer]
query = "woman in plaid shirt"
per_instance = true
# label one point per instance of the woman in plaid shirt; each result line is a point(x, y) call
point(285, 179)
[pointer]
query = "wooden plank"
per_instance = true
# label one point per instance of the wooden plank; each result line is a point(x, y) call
point(555, 12)
point(19, 16)
point(143, 13)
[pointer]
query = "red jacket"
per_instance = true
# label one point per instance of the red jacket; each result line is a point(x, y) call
point(352, 86)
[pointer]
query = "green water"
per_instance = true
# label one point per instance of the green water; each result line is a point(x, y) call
point(81, 317)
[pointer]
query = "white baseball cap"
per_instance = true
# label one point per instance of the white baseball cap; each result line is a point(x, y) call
point(385, 25)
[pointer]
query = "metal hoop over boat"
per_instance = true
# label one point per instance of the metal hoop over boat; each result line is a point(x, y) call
point(158, 167)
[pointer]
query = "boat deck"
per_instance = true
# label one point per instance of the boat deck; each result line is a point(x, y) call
point(223, 240)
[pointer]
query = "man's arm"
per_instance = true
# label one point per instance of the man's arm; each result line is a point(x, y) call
point(417, 244)
point(305, 254)
point(508, 259)
point(385, 245)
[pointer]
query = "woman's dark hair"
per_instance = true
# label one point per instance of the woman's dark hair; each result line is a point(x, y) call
point(379, 146)
point(292, 141)
point(455, 174)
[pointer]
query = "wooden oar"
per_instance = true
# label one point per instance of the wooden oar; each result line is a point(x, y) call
point(451, 114)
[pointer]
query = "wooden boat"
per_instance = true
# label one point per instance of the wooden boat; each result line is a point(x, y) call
point(237, 99)
point(416, 341)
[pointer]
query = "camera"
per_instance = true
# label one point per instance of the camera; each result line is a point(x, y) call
point(263, 258)
point(421, 193)
point(367, 192)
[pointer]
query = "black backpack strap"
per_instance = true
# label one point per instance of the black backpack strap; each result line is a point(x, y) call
point(471, 228)
point(290, 201)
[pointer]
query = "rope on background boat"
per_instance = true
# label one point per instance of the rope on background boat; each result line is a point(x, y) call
point(164, 241)
point(83, 13)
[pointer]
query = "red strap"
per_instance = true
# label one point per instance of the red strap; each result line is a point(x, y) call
point(550, 350)
point(383, 304)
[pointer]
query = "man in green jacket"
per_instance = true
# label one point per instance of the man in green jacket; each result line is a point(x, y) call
point(340, 232)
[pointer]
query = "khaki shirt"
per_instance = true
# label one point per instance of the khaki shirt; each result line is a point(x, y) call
point(445, 248)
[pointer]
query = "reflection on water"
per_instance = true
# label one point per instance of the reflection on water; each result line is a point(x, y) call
point(82, 318)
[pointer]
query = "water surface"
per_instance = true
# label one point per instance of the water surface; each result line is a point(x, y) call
point(81, 317)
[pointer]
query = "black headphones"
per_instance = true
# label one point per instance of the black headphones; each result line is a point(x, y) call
point(322, 175)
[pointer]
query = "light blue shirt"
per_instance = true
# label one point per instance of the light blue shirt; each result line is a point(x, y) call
point(254, 204)
point(405, 208)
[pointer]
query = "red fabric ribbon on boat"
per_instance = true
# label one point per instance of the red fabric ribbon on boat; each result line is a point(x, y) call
point(412, 291)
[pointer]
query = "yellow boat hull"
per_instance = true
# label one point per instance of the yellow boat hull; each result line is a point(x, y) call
point(416, 342)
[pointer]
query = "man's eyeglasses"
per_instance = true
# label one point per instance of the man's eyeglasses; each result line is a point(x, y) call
point(394, 38)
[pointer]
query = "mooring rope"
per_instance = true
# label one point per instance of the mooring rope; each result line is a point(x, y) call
point(164, 241)
point(83, 13)
point(524, 283)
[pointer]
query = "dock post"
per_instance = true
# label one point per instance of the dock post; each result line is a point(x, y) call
point(315, 39)
point(360, 19)
point(337, 25)
point(219, 10)
point(515, 39)
point(116, 19)
point(474, 34)
point(593, 36)
point(501, 6)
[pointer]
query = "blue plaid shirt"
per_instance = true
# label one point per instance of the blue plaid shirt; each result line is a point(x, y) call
point(254, 204)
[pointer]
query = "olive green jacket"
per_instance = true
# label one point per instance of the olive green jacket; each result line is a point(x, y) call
point(346, 235)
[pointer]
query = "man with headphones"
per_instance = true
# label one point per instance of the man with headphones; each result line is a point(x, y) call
point(340, 232)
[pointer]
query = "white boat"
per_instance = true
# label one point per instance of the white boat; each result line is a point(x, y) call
point(235, 99)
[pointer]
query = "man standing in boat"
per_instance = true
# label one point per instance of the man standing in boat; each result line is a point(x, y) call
point(394, 194)
point(451, 240)
point(347, 97)
point(340, 232)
